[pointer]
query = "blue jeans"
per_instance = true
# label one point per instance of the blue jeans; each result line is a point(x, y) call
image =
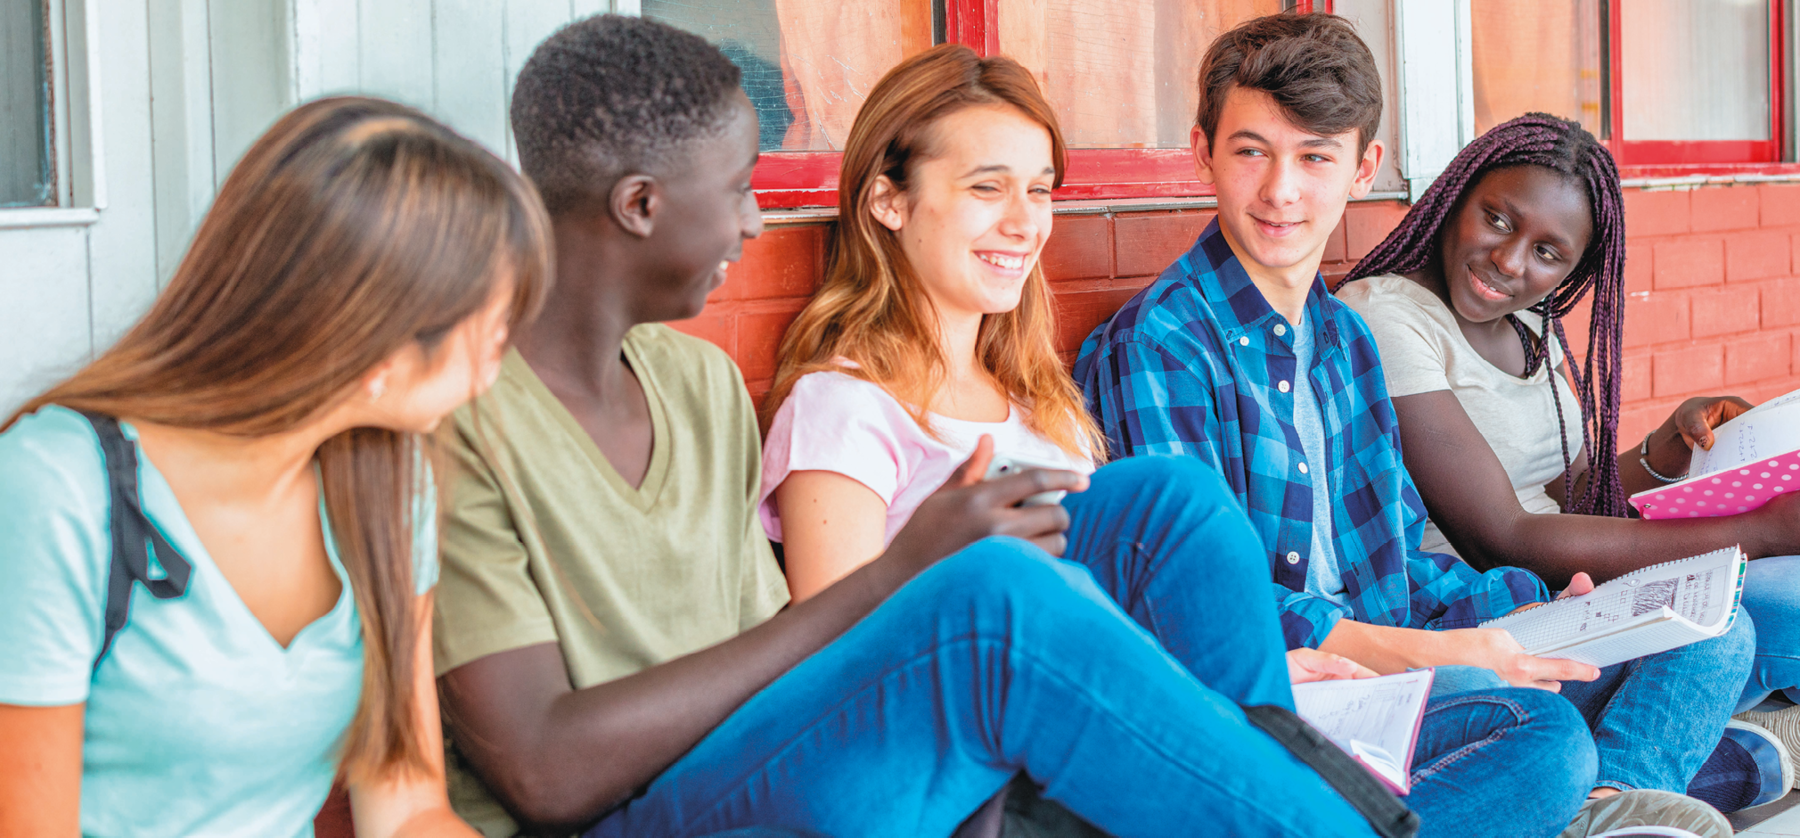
point(997, 660)
point(1656, 719)
point(1500, 761)
point(1772, 598)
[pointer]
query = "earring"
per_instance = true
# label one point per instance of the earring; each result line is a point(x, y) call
point(378, 388)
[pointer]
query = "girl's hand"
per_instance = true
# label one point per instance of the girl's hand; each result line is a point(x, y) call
point(1692, 423)
point(1307, 665)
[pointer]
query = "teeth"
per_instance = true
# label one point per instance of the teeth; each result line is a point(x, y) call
point(1011, 263)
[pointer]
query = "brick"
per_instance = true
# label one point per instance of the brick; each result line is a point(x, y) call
point(1756, 358)
point(717, 324)
point(1689, 369)
point(1723, 208)
point(1078, 312)
point(1686, 263)
point(783, 262)
point(1080, 247)
point(759, 335)
point(1638, 263)
point(1636, 374)
point(1145, 243)
point(1576, 325)
point(1781, 303)
point(1780, 204)
point(1724, 312)
point(1366, 224)
point(1639, 419)
point(1757, 255)
point(1657, 318)
point(1796, 269)
point(1796, 362)
point(1656, 213)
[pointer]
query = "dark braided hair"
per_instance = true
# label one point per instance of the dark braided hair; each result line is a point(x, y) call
point(1538, 139)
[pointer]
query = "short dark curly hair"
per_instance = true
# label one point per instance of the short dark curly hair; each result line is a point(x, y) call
point(612, 95)
point(1319, 72)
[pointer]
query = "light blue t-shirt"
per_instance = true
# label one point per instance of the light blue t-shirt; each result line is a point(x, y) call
point(197, 721)
point(1323, 576)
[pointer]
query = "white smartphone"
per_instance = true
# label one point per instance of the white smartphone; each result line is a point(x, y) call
point(1003, 466)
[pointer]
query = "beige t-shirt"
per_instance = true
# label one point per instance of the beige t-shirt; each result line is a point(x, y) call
point(1423, 350)
point(544, 542)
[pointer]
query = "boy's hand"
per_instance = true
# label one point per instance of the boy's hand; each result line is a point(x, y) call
point(1306, 665)
point(1496, 649)
point(966, 509)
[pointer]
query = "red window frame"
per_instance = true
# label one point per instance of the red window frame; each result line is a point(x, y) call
point(1657, 158)
point(791, 180)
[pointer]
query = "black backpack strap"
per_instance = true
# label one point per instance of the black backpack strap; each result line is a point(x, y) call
point(1384, 811)
point(133, 536)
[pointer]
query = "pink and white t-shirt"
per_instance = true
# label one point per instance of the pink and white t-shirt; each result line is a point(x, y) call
point(835, 422)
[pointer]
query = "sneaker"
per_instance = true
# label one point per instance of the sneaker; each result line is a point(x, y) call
point(1750, 767)
point(1784, 723)
point(1647, 812)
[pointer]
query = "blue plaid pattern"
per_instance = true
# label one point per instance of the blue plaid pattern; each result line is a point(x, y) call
point(1198, 363)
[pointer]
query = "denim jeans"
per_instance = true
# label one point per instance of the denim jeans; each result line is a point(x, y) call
point(1657, 718)
point(1498, 761)
point(1772, 598)
point(997, 660)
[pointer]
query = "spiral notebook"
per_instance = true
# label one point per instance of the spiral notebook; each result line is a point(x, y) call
point(1375, 720)
point(1755, 458)
point(1646, 611)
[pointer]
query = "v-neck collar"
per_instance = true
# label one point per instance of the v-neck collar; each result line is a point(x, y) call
point(181, 534)
point(643, 496)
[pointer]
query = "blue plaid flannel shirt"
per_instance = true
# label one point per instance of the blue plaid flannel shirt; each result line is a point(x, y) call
point(1198, 363)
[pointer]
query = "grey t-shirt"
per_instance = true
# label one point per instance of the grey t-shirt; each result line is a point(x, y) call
point(1323, 577)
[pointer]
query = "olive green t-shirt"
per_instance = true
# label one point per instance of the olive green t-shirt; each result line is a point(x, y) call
point(544, 542)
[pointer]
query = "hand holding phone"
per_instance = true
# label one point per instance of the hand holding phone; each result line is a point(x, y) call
point(1002, 466)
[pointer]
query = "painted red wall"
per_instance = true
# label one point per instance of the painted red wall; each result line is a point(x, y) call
point(1712, 273)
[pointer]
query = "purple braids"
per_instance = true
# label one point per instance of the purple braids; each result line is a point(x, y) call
point(1538, 139)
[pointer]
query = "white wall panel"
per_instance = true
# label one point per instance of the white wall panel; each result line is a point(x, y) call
point(472, 87)
point(44, 326)
point(397, 55)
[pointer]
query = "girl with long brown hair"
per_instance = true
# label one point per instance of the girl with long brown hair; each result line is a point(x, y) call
point(265, 428)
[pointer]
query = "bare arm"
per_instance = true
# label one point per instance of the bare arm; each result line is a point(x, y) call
point(412, 805)
point(40, 776)
point(830, 525)
point(559, 757)
point(1470, 497)
point(1390, 650)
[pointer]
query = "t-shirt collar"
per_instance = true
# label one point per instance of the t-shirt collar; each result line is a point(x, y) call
point(1238, 304)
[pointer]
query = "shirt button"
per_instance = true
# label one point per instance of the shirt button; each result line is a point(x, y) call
point(1283, 386)
point(1280, 329)
point(1302, 468)
point(1293, 558)
point(1244, 341)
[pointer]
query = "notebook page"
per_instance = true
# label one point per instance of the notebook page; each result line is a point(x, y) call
point(1374, 718)
point(1770, 430)
point(1649, 640)
point(1702, 589)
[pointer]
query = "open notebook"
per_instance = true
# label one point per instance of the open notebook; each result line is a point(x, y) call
point(1646, 611)
point(1754, 459)
point(1376, 720)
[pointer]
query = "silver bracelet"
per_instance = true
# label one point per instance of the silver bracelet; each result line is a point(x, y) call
point(1644, 460)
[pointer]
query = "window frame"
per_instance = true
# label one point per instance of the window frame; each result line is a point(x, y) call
point(80, 168)
point(789, 180)
point(1661, 157)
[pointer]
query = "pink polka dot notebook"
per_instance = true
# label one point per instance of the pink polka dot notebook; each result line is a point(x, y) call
point(1755, 458)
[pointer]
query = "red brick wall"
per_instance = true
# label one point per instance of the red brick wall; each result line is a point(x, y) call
point(1713, 277)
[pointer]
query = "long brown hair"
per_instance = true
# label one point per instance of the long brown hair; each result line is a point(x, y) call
point(353, 227)
point(872, 308)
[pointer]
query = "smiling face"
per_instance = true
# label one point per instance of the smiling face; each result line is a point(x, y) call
point(977, 213)
point(1281, 189)
point(707, 211)
point(1515, 236)
point(418, 387)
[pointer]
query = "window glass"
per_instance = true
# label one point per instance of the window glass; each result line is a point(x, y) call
point(1121, 75)
point(26, 178)
point(1541, 56)
point(1695, 69)
point(808, 64)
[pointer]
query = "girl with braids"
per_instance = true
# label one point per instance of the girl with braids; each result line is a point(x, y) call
point(1466, 300)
